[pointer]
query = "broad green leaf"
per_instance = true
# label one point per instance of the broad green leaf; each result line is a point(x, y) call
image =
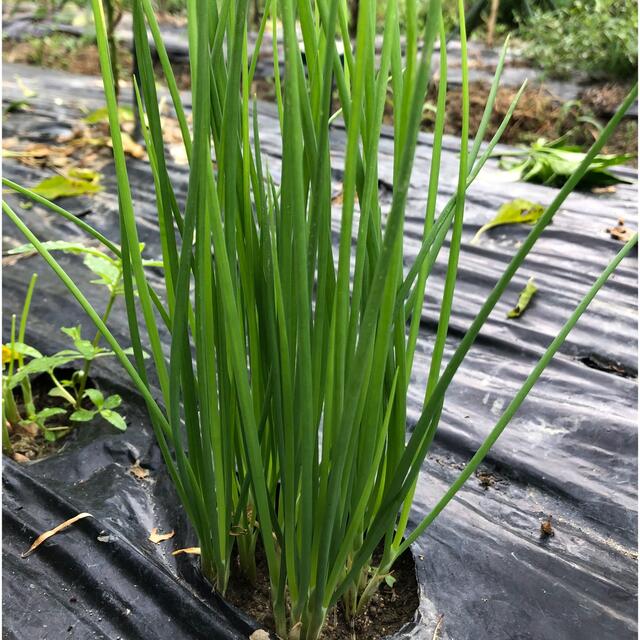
point(82, 415)
point(125, 114)
point(56, 245)
point(19, 349)
point(85, 347)
point(513, 212)
point(51, 434)
point(390, 580)
point(524, 299)
point(114, 418)
point(25, 350)
point(112, 402)
point(65, 186)
point(48, 412)
point(553, 162)
point(96, 397)
point(107, 269)
point(43, 365)
point(56, 392)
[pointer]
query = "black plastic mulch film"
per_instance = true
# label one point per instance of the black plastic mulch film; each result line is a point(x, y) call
point(570, 452)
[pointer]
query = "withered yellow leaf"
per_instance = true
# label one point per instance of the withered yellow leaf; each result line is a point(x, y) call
point(138, 472)
point(189, 550)
point(157, 538)
point(52, 532)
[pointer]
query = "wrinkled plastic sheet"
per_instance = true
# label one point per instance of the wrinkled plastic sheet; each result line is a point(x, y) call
point(570, 452)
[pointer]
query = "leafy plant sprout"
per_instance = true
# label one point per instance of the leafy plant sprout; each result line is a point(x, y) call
point(281, 408)
point(73, 391)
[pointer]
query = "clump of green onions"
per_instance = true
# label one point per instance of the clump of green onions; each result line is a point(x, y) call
point(281, 407)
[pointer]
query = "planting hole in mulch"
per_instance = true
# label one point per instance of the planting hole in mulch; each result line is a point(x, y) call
point(28, 441)
point(389, 610)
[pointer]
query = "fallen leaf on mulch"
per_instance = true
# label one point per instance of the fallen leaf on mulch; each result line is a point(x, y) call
point(129, 146)
point(157, 538)
point(76, 182)
point(437, 632)
point(8, 261)
point(139, 472)
point(125, 114)
point(37, 151)
point(523, 301)
point(52, 532)
point(189, 550)
point(621, 233)
point(513, 212)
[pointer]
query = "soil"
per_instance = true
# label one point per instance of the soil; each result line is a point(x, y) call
point(67, 54)
point(28, 442)
point(390, 609)
point(539, 115)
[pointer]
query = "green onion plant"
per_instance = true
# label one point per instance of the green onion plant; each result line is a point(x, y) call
point(281, 404)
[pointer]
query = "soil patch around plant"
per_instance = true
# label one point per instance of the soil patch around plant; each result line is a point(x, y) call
point(389, 610)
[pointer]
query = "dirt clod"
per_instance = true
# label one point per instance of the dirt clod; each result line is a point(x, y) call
point(485, 480)
point(546, 529)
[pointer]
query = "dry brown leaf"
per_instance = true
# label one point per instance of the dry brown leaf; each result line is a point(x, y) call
point(610, 189)
point(294, 632)
point(259, 634)
point(131, 147)
point(437, 632)
point(60, 161)
point(620, 232)
point(10, 260)
point(39, 151)
point(52, 532)
point(157, 538)
point(19, 457)
point(237, 530)
point(178, 154)
point(190, 550)
point(138, 472)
